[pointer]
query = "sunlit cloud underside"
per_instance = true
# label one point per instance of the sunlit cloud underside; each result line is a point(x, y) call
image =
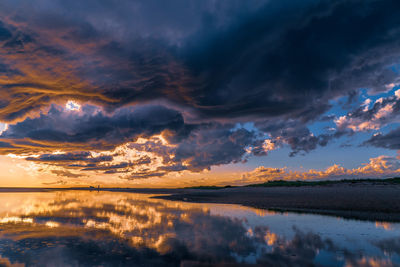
point(154, 94)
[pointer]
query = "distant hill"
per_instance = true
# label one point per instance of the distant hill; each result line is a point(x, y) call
point(395, 180)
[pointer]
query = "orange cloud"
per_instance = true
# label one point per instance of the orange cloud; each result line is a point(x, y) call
point(382, 166)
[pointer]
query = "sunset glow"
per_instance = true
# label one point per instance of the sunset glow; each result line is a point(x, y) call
point(113, 98)
point(186, 133)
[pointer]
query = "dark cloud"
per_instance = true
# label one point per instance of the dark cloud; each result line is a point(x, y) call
point(214, 146)
point(243, 62)
point(70, 157)
point(293, 133)
point(391, 140)
point(94, 128)
point(5, 145)
point(206, 146)
point(193, 69)
point(266, 64)
point(123, 165)
point(5, 34)
point(192, 147)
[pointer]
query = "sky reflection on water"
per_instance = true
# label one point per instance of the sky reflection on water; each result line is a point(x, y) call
point(73, 228)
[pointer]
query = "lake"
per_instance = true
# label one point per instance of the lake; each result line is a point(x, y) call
point(90, 228)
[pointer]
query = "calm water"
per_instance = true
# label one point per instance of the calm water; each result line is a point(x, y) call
point(77, 228)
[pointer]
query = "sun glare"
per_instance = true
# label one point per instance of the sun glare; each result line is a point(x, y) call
point(72, 105)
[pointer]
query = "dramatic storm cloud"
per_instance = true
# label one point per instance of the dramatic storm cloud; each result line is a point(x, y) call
point(94, 128)
point(150, 88)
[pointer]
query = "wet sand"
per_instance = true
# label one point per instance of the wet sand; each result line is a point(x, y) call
point(364, 201)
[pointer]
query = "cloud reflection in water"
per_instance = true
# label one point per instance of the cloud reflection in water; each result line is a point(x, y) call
point(117, 229)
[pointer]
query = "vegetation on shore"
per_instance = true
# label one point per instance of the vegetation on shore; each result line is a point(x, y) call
point(327, 182)
point(298, 183)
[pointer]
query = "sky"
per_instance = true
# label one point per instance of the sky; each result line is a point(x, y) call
point(186, 93)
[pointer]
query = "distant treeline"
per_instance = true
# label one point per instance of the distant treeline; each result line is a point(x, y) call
point(395, 180)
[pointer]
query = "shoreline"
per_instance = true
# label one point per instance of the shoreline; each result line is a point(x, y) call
point(361, 201)
point(358, 201)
